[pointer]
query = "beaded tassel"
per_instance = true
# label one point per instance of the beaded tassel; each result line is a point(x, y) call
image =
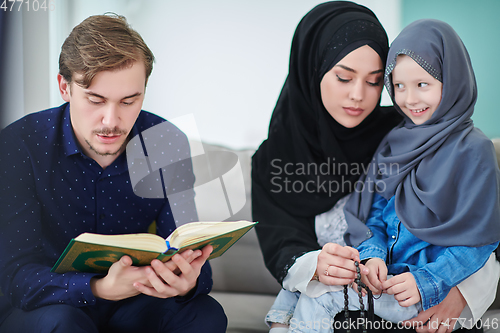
point(361, 285)
point(346, 306)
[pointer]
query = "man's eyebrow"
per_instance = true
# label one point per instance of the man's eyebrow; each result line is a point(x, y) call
point(352, 70)
point(133, 95)
point(90, 93)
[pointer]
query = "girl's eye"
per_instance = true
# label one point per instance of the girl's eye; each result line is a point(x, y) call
point(128, 103)
point(342, 80)
point(398, 85)
point(423, 84)
point(95, 102)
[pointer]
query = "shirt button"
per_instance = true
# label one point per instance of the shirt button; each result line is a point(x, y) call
point(369, 233)
point(393, 237)
point(102, 216)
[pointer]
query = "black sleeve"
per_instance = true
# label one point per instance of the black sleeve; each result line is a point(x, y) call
point(282, 237)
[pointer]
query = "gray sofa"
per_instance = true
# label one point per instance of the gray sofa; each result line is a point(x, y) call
point(242, 283)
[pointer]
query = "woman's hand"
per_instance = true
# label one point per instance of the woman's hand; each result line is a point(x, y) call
point(336, 264)
point(440, 318)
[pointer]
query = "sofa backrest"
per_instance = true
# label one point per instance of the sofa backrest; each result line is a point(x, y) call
point(241, 268)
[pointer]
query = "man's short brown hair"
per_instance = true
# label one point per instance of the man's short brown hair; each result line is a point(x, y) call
point(102, 43)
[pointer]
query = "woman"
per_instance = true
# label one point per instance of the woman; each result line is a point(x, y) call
point(324, 130)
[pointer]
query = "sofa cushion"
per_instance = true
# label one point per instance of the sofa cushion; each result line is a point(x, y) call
point(245, 312)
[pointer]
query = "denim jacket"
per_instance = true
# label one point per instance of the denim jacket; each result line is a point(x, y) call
point(436, 269)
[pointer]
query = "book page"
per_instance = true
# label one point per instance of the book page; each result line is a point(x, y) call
point(144, 241)
point(194, 232)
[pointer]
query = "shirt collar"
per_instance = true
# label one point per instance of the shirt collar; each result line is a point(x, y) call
point(69, 143)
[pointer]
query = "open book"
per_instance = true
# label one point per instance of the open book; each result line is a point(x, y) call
point(95, 253)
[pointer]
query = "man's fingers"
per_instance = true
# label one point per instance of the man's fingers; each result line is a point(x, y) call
point(150, 291)
point(200, 261)
point(185, 267)
point(206, 251)
point(188, 255)
point(159, 277)
point(125, 261)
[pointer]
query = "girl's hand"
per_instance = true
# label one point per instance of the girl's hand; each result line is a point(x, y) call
point(376, 276)
point(404, 288)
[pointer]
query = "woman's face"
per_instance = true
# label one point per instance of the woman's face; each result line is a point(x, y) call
point(351, 89)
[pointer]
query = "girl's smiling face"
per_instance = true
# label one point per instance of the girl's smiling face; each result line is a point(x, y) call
point(416, 92)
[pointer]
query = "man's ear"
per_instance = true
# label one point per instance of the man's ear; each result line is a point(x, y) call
point(64, 88)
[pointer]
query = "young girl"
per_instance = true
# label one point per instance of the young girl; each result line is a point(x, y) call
point(427, 211)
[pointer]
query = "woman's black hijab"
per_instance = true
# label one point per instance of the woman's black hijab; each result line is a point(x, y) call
point(443, 173)
point(303, 133)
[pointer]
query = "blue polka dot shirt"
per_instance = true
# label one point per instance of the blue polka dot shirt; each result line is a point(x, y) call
point(50, 192)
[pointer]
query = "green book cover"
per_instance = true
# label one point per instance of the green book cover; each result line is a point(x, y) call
point(85, 256)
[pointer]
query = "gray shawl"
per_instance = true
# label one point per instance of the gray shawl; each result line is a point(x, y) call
point(443, 173)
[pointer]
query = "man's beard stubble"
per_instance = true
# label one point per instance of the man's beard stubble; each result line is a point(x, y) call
point(108, 131)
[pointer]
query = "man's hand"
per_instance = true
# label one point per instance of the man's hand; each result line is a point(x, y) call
point(163, 278)
point(438, 317)
point(338, 261)
point(188, 255)
point(376, 276)
point(118, 283)
point(404, 288)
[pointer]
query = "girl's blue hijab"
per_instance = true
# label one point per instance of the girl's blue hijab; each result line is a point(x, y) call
point(443, 173)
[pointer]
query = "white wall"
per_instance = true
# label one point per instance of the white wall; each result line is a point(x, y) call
point(12, 103)
point(25, 85)
point(224, 61)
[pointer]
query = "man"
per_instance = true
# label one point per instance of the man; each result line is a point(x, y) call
point(64, 171)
